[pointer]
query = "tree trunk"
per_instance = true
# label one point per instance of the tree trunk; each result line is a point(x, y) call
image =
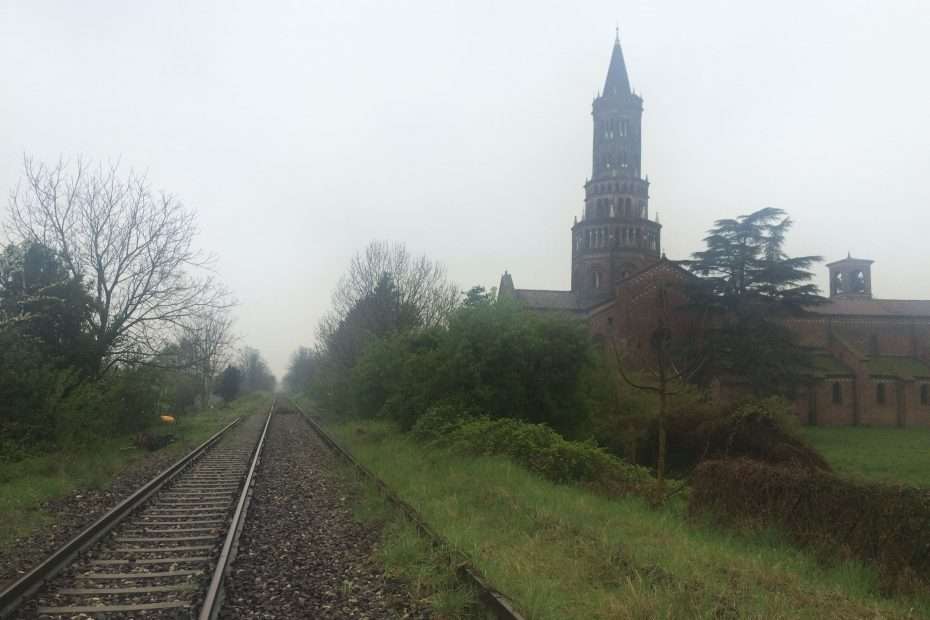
point(663, 404)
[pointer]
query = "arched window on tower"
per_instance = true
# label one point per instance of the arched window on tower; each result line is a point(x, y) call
point(595, 279)
point(858, 282)
point(837, 393)
point(880, 393)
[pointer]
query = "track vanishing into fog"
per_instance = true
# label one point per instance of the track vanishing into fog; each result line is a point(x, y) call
point(181, 546)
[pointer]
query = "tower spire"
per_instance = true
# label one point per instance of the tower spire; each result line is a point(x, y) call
point(618, 82)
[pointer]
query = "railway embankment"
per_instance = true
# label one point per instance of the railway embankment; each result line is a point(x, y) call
point(566, 551)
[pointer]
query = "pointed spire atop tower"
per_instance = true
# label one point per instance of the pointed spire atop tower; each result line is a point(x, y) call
point(618, 82)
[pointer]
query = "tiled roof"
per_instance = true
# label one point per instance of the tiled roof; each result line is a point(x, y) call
point(548, 300)
point(874, 307)
point(825, 365)
point(903, 367)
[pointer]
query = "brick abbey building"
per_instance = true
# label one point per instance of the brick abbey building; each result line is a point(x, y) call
point(872, 356)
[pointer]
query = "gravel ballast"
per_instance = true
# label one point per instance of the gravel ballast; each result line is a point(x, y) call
point(77, 510)
point(301, 554)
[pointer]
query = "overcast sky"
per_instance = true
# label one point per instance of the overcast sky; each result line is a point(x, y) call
point(299, 131)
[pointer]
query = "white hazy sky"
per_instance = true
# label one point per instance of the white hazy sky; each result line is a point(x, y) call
point(298, 131)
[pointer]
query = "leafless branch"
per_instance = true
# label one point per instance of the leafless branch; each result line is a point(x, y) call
point(134, 249)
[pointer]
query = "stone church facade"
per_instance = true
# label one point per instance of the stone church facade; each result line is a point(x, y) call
point(872, 356)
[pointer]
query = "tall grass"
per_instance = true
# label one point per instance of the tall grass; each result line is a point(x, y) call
point(561, 552)
point(427, 573)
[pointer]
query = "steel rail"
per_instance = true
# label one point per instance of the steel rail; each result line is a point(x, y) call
point(496, 602)
point(29, 584)
point(213, 600)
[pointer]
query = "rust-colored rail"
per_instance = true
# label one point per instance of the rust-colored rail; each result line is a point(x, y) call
point(496, 602)
point(214, 596)
point(31, 582)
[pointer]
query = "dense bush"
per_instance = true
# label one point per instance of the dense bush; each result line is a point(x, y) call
point(439, 422)
point(535, 446)
point(30, 389)
point(879, 523)
point(43, 407)
point(493, 358)
point(763, 430)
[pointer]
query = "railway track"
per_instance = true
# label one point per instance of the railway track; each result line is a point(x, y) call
point(164, 551)
point(496, 603)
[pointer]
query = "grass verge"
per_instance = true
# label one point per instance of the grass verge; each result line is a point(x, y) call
point(881, 454)
point(427, 573)
point(25, 486)
point(561, 552)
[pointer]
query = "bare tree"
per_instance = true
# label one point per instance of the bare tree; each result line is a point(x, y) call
point(132, 246)
point(668, 372)
point(421, 283)
point(212, 338)
point(255, 372)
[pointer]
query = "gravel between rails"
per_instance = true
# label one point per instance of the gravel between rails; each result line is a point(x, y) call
point(123, 558)
point(75, 511)
point(301, 554)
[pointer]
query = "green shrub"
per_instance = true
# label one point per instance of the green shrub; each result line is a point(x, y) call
point(439, 421)
point(763, 430)
point(879, 523)
point(124, 401)
point(540, 449)
point(620, 415)
point(494, 358)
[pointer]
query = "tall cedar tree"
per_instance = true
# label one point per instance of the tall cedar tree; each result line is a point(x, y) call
point(746, 281)
point(229, 384)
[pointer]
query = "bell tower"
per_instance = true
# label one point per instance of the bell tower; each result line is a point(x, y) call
point(614, 237)
point(851, 277)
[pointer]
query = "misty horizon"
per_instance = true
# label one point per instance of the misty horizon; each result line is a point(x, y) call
point(299, 135)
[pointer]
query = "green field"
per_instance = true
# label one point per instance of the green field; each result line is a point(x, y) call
point(561, 552)
point(27, 484)
point(885, 454)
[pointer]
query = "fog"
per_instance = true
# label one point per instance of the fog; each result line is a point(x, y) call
point(300, 131)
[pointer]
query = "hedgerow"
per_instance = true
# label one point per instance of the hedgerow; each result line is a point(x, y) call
point(884, 524)
point(760, 429)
